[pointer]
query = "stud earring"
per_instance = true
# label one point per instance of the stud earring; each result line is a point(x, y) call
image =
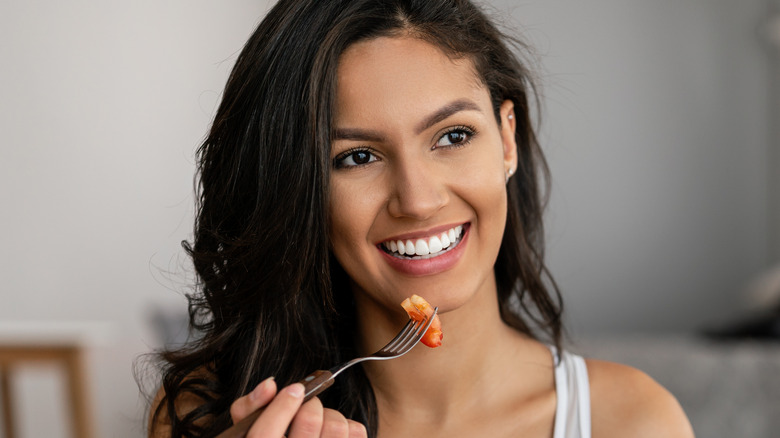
point(508, 174)
point(510, 117)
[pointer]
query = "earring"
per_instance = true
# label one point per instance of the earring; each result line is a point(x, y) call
point(510, 117)
point(508, 174)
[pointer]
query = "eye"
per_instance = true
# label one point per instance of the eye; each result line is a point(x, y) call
point(458, 136)
point(353, 158)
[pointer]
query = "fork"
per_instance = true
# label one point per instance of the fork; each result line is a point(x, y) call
point(321, 380)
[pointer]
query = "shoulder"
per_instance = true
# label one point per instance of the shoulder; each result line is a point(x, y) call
point(628, 402)
point(159, 416)
point(159, 422)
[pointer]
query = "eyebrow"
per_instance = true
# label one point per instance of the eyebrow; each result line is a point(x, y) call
point(441, 114)
point(446, 111)
point(357, 134)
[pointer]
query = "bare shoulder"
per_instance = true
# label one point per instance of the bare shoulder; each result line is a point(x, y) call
point(159, 422)
point(628, 402)
point(159, 418)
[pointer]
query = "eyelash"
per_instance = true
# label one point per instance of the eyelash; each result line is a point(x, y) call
point(338, 161)
point(470, 132)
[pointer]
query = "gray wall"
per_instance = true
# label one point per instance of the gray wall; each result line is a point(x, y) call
point(658, 135)
point(102, 104)
point(657, 128)
point(772, 31)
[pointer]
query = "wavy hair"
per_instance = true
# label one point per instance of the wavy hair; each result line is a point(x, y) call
point(270, 299)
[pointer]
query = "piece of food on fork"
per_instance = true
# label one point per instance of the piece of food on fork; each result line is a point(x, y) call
point(418, 309)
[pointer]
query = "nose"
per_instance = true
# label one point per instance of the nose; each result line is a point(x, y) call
point(418, 190)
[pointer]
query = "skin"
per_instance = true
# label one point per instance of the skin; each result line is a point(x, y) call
point(412, 180)
point(419, 182)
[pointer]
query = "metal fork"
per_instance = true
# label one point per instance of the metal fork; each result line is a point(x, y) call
point(321, 380)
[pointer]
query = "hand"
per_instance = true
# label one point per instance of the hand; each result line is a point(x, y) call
point(284, 410)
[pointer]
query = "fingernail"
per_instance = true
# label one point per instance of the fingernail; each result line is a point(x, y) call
point(295, 390)
point(259, 388)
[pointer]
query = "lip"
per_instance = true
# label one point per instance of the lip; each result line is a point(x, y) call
point(423, 234)
point(433, 265)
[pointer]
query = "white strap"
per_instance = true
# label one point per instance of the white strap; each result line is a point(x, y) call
point(572, 415)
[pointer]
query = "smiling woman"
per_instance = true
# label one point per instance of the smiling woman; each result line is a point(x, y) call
point(366, 151)
point(434, 163)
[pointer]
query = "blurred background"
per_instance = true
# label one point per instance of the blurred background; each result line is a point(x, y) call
point(660, 126)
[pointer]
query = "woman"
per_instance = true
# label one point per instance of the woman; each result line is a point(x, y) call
point(347, 129)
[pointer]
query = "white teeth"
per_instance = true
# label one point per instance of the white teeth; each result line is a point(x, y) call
point(425, 248)
point(434, 245)
point(421, 248)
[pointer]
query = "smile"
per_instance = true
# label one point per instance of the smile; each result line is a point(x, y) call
point(424, 248)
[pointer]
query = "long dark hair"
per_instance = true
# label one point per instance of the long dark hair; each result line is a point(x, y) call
point(271, 300)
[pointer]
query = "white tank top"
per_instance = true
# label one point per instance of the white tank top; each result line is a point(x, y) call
point(572, 415)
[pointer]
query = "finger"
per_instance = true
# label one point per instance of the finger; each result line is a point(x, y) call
point(260, 396)
point(334, 425)
point(357, 430)
point(308, 420)
point(279, 413)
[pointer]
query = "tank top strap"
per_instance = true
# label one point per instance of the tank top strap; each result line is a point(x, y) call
point(572, 414)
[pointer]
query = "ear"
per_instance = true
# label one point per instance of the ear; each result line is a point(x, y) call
point(508, 126)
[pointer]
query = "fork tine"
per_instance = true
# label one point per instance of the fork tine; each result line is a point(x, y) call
point(413, 338)
point(401, 337)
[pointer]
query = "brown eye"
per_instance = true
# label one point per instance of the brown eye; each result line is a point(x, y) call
point(361, 157)
point(455, 137)
point(354, 158)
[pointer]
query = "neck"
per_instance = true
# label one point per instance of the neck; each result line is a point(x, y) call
point(477, 352)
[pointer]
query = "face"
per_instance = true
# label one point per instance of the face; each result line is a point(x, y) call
point(418, 188)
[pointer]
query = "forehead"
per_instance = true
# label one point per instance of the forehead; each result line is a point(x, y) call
point(402, 74)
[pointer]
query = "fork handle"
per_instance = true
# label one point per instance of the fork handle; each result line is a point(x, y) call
point(314, 384)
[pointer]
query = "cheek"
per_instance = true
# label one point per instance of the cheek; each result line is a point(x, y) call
point(483, 188)
point(490, 204)
point(342, 227)
point(483, 183)
point(351, 212)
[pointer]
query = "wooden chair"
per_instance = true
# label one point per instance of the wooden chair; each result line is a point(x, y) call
point(63, 344)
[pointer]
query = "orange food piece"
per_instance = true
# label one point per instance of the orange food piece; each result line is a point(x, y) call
point(418, 309)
